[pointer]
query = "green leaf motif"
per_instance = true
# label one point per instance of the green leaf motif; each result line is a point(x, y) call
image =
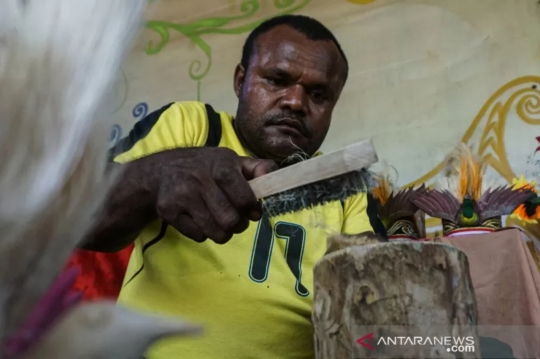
point(215, 25)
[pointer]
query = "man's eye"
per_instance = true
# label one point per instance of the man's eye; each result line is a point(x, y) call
point(276, 81)
point(319, 95)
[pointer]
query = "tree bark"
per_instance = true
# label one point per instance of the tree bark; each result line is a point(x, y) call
point(396, 289)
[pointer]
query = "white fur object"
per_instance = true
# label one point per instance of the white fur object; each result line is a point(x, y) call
point(104, 330)
point(58, 62)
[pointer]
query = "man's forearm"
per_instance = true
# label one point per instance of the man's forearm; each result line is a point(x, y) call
point(172, 185)
point(126, 211)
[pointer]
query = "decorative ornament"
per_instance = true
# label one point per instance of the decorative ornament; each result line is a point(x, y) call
point(529, 210)
point(401, 217)
point(464, 200)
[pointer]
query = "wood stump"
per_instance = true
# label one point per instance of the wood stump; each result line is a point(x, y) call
point(396, 289)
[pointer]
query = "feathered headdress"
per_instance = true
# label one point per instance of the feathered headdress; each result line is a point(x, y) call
point(394, 206)
point(464, 180)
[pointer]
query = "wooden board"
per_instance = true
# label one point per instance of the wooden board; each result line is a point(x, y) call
point(351, 158)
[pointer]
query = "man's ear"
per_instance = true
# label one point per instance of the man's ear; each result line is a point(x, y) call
point(239, 75)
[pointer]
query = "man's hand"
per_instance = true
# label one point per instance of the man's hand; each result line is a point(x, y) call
point(203, 192)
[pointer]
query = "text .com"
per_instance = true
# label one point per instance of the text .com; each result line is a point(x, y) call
point(460, 349)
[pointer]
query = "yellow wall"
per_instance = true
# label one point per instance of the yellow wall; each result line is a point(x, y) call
point(423, 74)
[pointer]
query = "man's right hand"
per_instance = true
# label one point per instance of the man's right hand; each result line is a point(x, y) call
point(204, 192)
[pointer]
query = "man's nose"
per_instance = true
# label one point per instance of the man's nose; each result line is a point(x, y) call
point(294, 99)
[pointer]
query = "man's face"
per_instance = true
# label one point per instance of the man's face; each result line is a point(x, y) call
point(287, 94)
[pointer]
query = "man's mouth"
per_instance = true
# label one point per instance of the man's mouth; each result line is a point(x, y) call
point(290, 127)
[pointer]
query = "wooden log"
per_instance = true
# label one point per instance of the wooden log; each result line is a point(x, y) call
point(396, 289)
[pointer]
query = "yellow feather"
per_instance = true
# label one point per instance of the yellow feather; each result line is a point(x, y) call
point(381, 173)
point(476, 173)
point(463, 173)
point(521, 182)
point(384, 189)
point(463, 177)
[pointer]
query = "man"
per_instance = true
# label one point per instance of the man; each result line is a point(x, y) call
point(253, 293)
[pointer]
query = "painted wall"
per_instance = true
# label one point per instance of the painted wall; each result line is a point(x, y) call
point(424, 74)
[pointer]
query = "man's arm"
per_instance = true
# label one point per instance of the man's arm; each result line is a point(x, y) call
point(128, 209)
point(202, 192)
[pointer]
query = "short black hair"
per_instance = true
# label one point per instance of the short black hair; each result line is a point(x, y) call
point(311, 28)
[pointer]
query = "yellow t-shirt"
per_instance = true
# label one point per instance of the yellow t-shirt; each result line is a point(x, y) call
point(254, 294)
